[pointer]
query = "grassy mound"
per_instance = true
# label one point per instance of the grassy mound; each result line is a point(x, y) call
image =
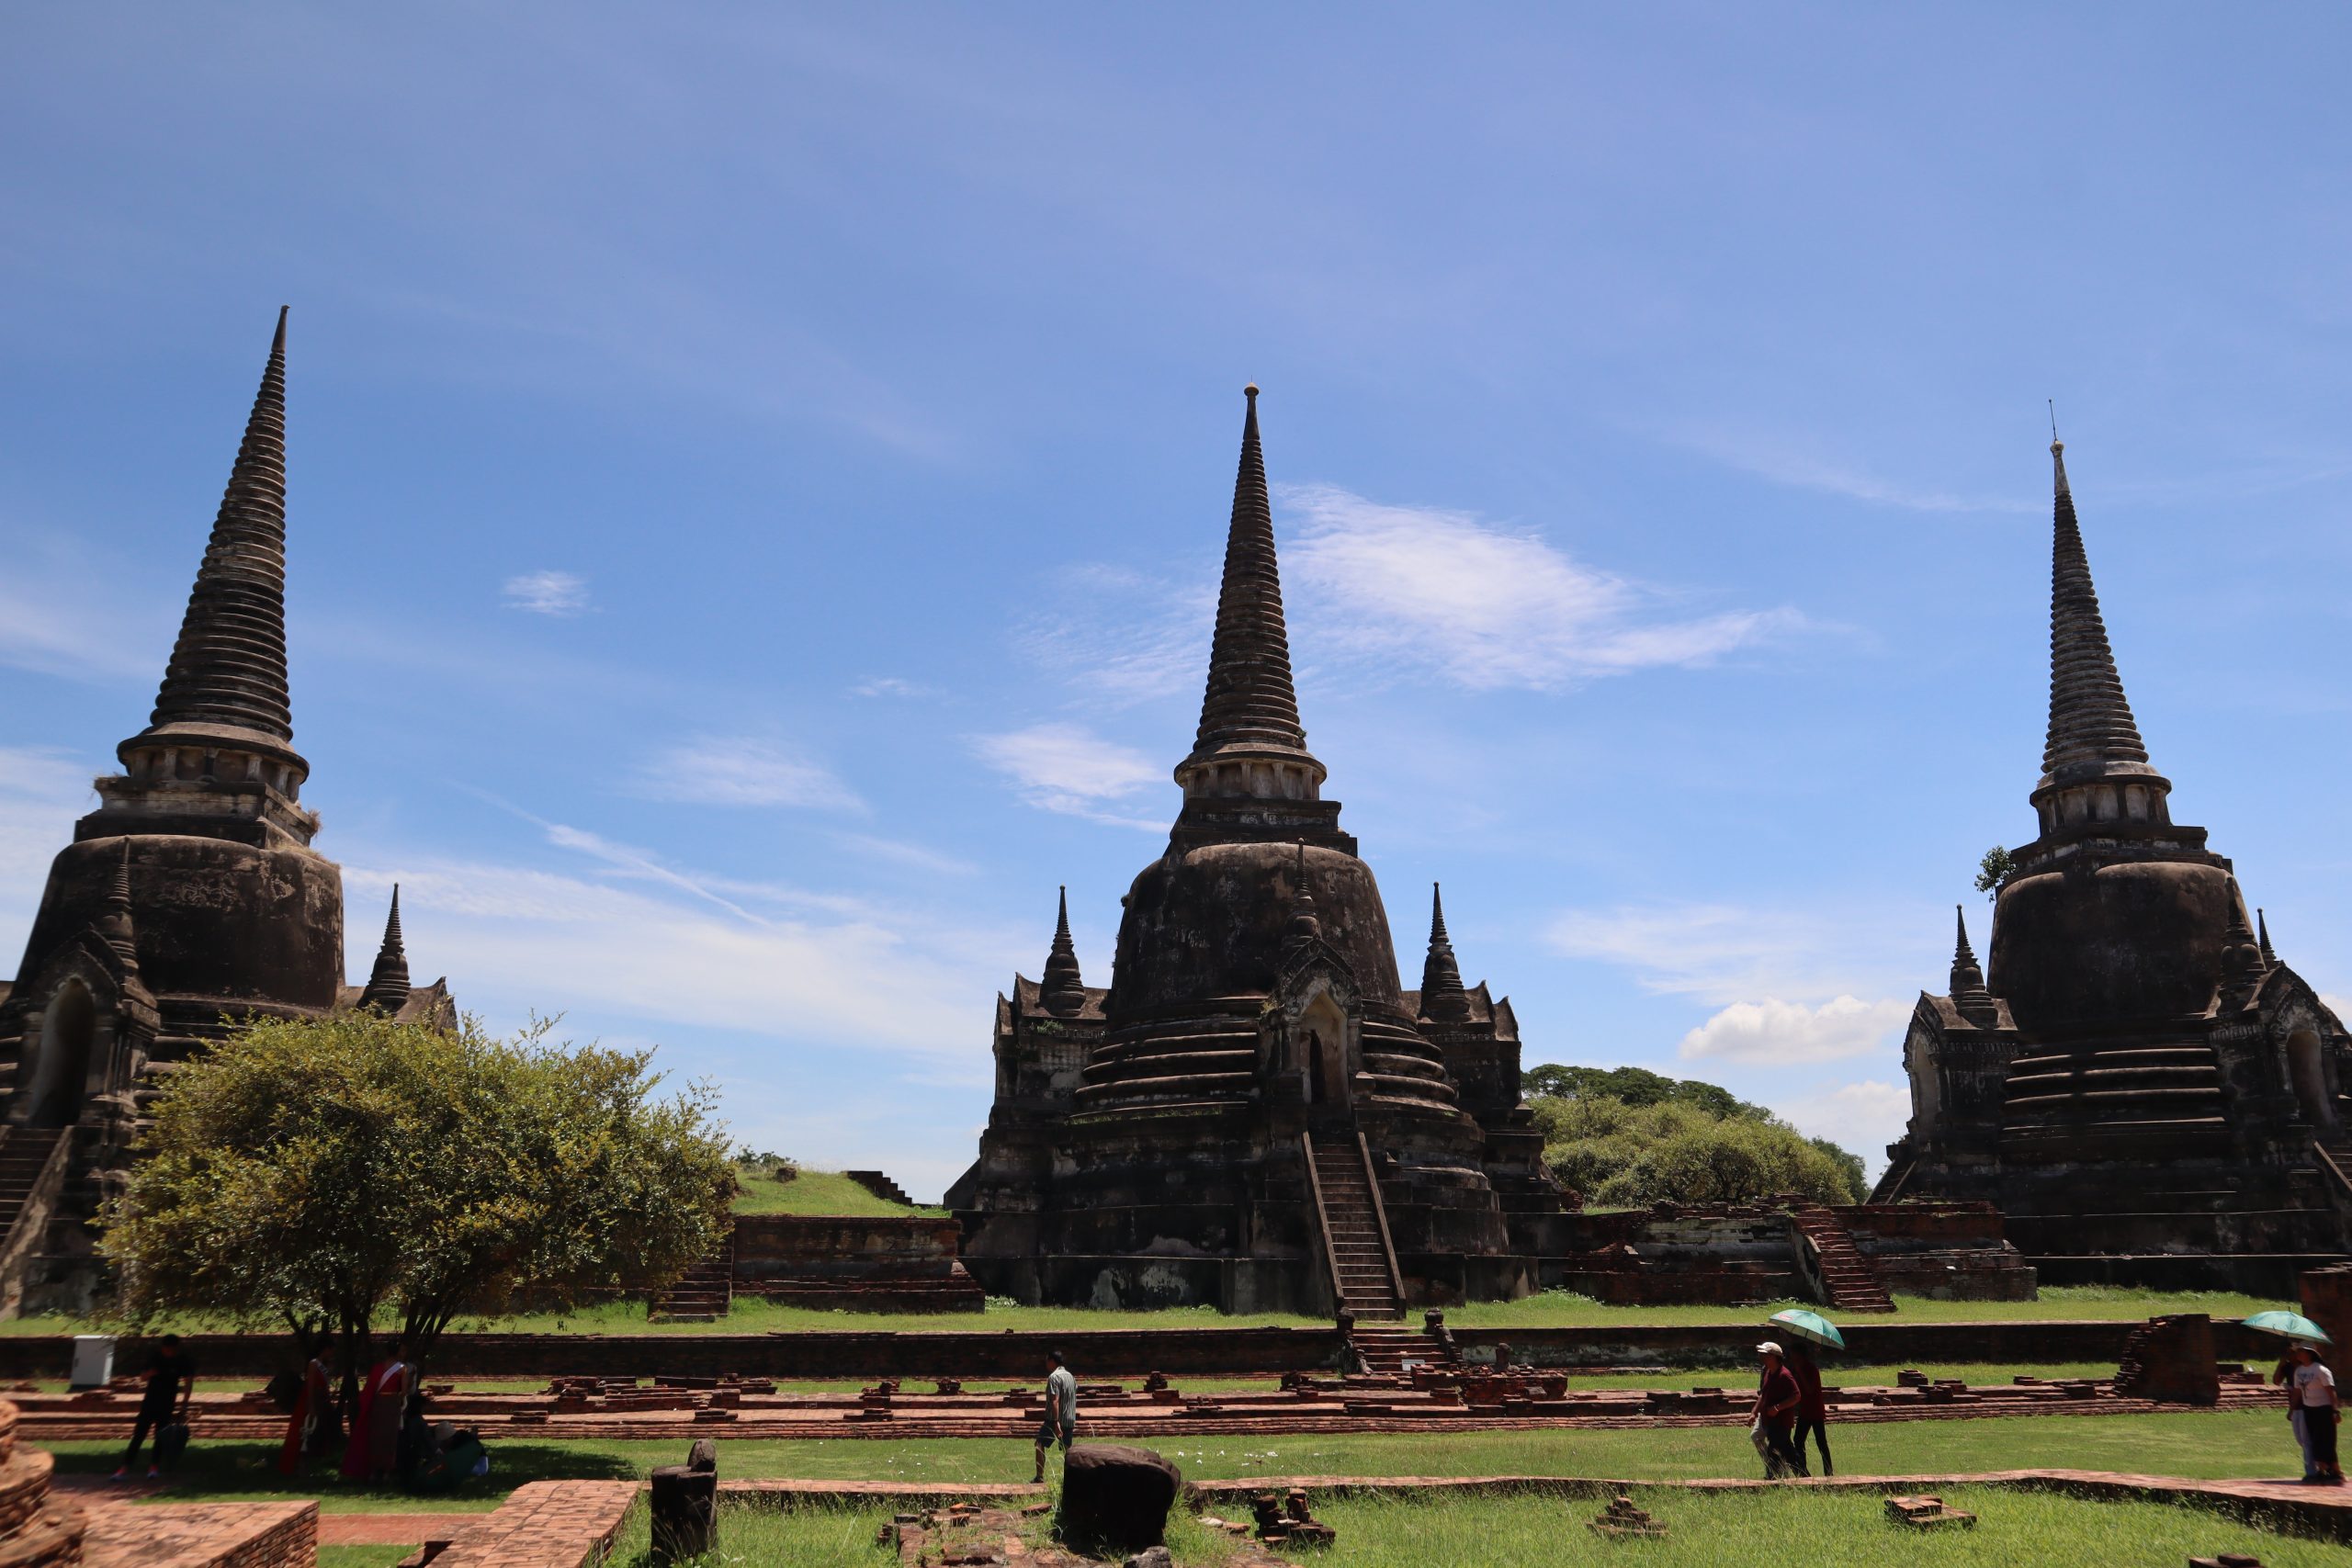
point(815, 1192)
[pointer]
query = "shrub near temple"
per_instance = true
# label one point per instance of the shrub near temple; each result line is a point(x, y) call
point(1678, 1151)
point(323, 1174)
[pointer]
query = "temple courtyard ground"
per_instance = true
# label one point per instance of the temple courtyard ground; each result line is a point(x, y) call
point(1703, 1530)
point(1521, 1494)
point(1549, 1309)
point(2241, 1444)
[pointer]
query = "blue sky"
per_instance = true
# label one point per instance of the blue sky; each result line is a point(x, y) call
point(757, 479)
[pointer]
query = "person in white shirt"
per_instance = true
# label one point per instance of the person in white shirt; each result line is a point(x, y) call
point(1060, 1423)
point(2318, 1408)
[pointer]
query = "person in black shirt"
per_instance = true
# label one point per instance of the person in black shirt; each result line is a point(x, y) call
point(171, 1384)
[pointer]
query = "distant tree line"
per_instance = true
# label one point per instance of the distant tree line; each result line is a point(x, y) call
point(1627, 1138)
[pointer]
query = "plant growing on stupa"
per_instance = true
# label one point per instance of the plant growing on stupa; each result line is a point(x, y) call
point(333, 1174)
point(1994, 870)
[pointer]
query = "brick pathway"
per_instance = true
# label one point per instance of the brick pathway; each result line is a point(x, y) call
point(393, 1529)
point(253, 1535)
point(545, 1524)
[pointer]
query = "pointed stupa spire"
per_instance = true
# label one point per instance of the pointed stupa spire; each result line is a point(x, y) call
point(1063, 992)
point(227, 679)
point(1968, 992)
point(387, 985)
point(2262, 936)
point(2242, 964)
point(1304, 924)
point(1249, 709)
point(1442, 996)
point(2092, 734)
point(114, 922)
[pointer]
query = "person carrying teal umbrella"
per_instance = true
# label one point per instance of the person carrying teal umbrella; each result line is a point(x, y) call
point(2317, 1409)
point(2314, 1405)
point(1813, 1406)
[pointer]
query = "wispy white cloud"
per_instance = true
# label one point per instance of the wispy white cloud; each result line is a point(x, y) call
point(664, 948)
point(42, 792)
point(892, 686)
point(558, 593)
point(1069, 769)
point(738, 771)
point(1484, 606)
point(916, 857)
point(1783, 461)
point(1724, 954)
point(1774, 1033)
point(1125, 636)
point(1861, 1118)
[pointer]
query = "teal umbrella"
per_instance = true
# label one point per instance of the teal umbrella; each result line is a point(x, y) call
point(1810, 1325)
point(2289, 1325)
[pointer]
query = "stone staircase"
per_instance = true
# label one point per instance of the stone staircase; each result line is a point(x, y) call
point(1847, 1277)
point(705, 1292)
point(1386, 1348)
point(1358, 1240)
point(24, 1156)
point(881, 1186)
point(2334, 1151)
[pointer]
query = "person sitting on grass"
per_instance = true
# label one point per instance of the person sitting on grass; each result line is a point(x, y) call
point(2318, 1409)
point(1775, 1416)
point(1060, 1423)
point(171, 1387)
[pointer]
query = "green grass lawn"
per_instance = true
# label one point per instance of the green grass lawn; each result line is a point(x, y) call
point(1779, 1529)
point(2188, 1443)
point(1557, 1309)
point(814, 1192)
point(362, 1556)
point(1550, 1309)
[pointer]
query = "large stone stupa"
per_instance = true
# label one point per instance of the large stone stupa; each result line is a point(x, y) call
point(2146, 1092)
point(1255, 1113)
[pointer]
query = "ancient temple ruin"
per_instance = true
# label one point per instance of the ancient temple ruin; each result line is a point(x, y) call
point(189, 897)
point(2145, 1091)
point(1255, 1113)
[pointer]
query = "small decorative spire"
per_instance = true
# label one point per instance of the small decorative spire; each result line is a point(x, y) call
point(2262, 936)
point(1968, 992)
point(1063, 992)
point(1305, 925)
point(114, 922)
point(2242, 965)
point(1442, 996)
point(387, 985)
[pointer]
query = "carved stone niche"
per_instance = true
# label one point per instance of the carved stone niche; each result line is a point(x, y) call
point(1310, 1033)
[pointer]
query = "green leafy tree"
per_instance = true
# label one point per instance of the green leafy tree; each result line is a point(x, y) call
point(1621, 1154)
point(1635, 1086)
point(1994, 870)
point(327, 1174)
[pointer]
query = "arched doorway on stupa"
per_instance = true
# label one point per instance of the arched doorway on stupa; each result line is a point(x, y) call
point(1323, 1028)
point(68, 1029)
point(2307, 1072)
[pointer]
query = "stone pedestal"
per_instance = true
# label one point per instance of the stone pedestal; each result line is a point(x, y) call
point(2171, 1359)
point(2327, 1301)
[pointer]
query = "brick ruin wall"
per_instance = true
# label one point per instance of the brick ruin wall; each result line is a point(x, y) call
point(1726, 1255)
point(895, 1263)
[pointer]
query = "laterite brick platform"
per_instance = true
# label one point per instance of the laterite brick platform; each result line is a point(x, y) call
point(202, 1535)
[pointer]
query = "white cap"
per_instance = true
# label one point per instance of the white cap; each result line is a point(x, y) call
point(1769, 1348)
